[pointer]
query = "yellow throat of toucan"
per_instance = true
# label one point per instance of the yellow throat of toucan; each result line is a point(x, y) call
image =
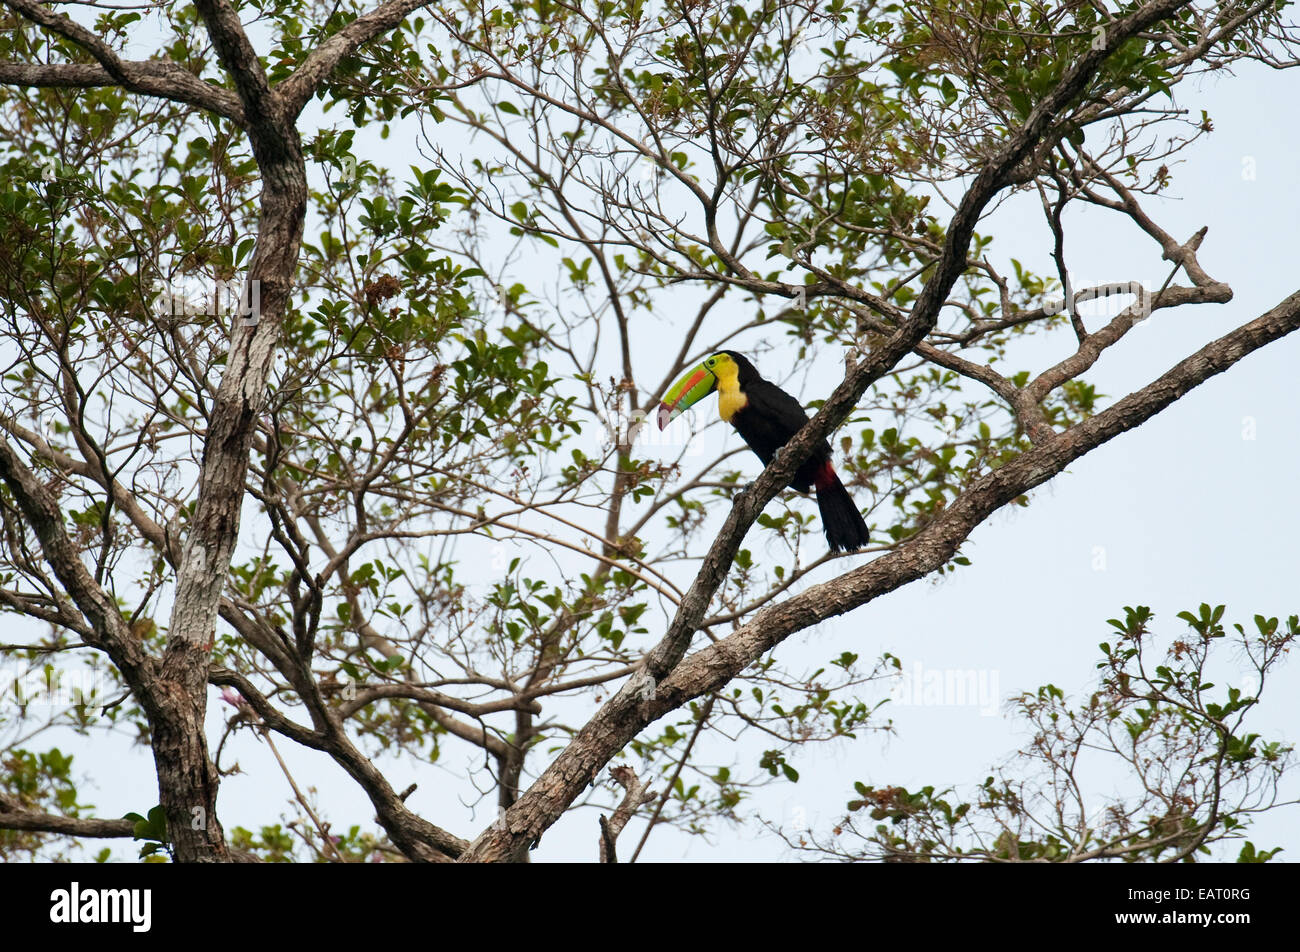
point(730, 397)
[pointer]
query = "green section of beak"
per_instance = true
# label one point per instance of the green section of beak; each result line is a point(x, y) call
point(693, 387)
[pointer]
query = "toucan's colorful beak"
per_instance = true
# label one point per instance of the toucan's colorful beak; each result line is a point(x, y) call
point(695, 386)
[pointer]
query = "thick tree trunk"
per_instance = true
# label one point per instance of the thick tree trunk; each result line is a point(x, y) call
point(214, 530)
point(187, 779)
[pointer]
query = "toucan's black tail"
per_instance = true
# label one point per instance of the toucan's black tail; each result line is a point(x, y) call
point(846, 530)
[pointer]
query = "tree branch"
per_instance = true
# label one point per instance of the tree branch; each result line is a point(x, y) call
point(155, 78)
point(14, 817)
point(637, 794)
point(42, 513)
point(298, 88)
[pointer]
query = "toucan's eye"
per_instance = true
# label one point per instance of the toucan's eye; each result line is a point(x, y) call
point(710, 362)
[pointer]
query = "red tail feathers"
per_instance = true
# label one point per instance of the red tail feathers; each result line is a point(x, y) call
point(846, 530)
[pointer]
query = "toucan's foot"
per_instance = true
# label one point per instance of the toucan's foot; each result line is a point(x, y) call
point(743, 490)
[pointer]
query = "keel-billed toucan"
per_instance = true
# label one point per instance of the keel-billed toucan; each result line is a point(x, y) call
point(767, 417)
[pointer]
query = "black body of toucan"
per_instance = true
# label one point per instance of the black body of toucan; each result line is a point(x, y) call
point(766, 417)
